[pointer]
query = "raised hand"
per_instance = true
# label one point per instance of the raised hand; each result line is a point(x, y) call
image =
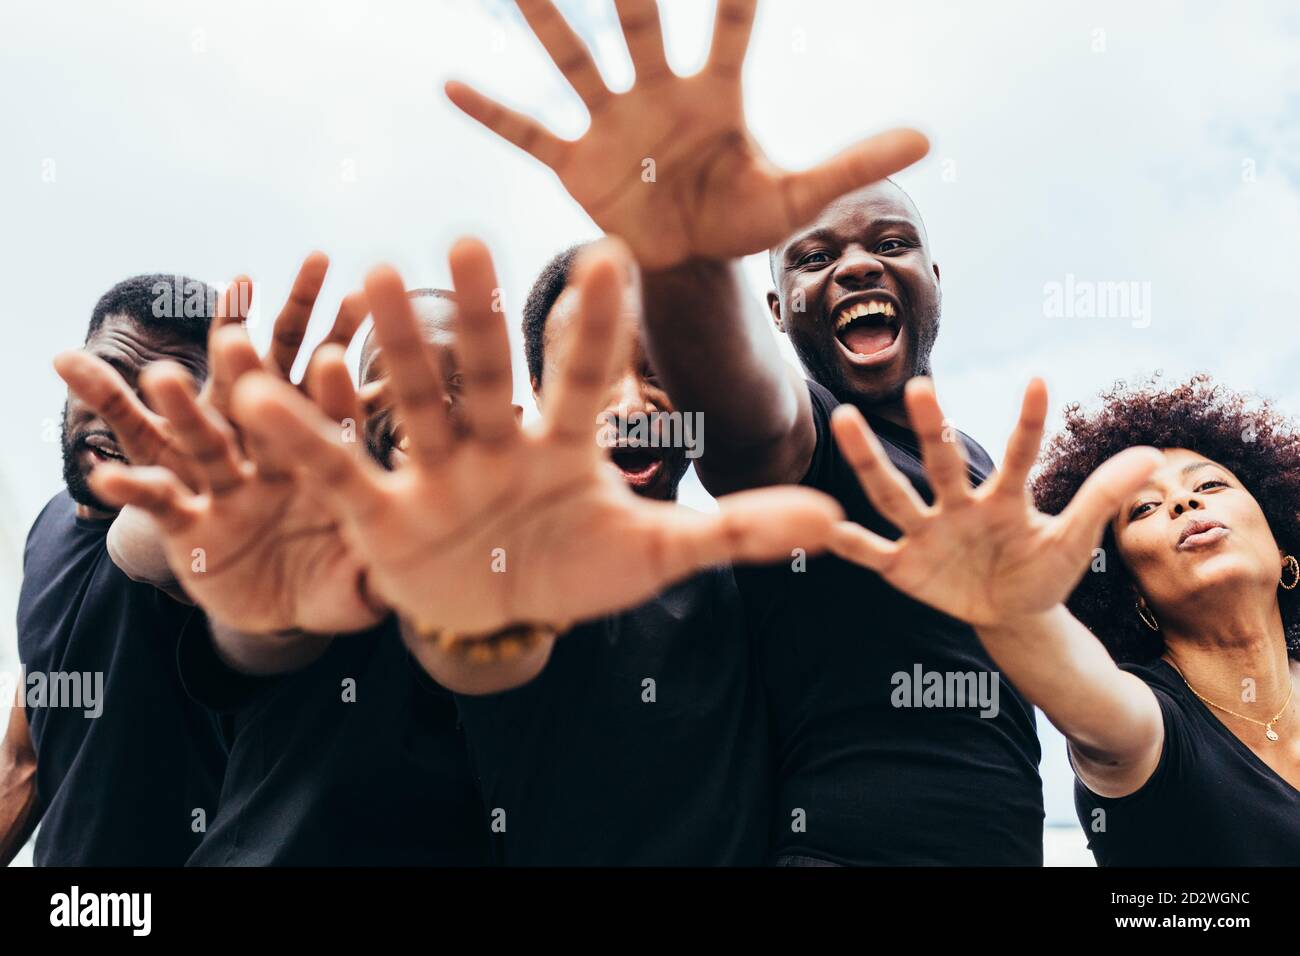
point(240, 536)
point(494, 525)
point(670, 166)
point(145, 436)
point(986, 555)
point(253, 547)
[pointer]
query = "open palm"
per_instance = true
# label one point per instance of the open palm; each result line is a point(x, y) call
point(983, 555)
point(253, 547)
point(670, 166)
point(494, 525)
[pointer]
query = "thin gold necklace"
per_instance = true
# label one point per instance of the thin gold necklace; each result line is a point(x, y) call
point(1269, 732)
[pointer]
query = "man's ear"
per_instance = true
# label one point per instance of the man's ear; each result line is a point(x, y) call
point(536, 384)
point(936, 272)
point(519, 414)
point(774, 306)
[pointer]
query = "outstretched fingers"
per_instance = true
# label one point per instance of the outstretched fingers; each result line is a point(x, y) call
point(808, 192)
point(1024, 444)
point(291, 324)
point(329, 383)
point(233, 304)
point(352, 312)
point(941, 447)
point(770, 524)
point(512, 126)
point(571, 403)
point(154, 490)
point(1104, 492)
point(231, 353)
point(142, 435)
point(891, 493)
point(209, 442)
point(732, 25)
point(482, 344)
point(852, 542)
point(567, 50)
point(414, 377)
point(276, 413)
point(644, 37)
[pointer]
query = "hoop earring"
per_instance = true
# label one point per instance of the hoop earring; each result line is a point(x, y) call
point(1292, 565)
point(1148, 618)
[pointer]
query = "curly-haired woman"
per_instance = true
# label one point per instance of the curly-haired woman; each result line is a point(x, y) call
point(1168, 656)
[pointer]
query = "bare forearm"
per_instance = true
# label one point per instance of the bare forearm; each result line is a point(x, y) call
point(18, 815)
point(714, 349)
point(1109, 716)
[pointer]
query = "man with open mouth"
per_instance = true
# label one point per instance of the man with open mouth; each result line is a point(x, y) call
point(639, 738)
point(126, 788)
point(857, 779)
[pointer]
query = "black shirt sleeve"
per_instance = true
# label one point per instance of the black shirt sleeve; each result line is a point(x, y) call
point(1176, 755)
point(821, 469)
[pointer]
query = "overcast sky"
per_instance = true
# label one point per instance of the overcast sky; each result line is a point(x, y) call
point(1154, 143)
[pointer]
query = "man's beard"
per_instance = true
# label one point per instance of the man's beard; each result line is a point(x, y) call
point(823, 367)
point(77, 485)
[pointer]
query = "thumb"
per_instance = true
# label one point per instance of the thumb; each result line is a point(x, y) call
point(869, 161)
point(750, 527)
point(1105, 491)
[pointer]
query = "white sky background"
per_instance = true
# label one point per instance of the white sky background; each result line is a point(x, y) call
point(217, 138)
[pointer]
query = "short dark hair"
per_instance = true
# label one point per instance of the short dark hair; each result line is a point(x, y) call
point(541, 299)
point(178, 304)
point(1254, 440)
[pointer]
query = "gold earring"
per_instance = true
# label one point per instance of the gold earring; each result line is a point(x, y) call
point(1292, 565)
point(1148, 618)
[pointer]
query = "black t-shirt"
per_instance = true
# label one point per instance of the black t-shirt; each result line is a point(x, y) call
point(1210, 802)
point(121, 788)
point(355, 760)
point(587, 769)
point(861, 780)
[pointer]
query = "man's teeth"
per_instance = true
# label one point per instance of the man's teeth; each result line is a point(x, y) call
point(858, 310)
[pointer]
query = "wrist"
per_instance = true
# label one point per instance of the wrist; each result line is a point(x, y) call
point(1023, 624)
point(488, 647)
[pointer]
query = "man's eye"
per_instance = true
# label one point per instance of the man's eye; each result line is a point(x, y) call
point(815, 259)
point(891, 245)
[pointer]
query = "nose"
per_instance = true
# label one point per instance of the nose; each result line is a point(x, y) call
point(858, 269)
point(630, 394)
point(1181, 505)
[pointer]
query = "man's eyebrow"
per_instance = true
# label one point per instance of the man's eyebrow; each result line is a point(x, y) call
point(829, 235)
point(821, 234)
point(894, 221)
point(115, 361)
